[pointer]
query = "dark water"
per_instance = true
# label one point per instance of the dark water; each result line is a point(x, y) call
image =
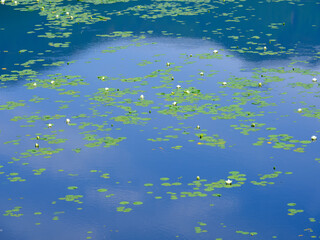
point(126, 166)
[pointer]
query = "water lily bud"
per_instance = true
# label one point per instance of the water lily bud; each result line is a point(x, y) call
point(172, 78)
point(102, 78)
point(71, 17)
point(198, 127)
point(49, 125)
point(314, 138)
point(260, 84)
point(67, 121)
point(224, 83)
point(141, 97)
point(67, 13)
point(36, 145)
point(38, 137)
point(168, 64)
point(201, 73)
point(229, 182)
point(187, 91)
point(174, 103)
point(198, 178)
point(253, 124)
point(264, 48)
point(57, 16)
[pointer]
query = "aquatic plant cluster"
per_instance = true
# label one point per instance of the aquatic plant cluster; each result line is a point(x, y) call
point(162, 119)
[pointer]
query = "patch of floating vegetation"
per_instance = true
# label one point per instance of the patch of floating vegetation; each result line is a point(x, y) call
point(266, 176)
point(247, 233)
point(198, 229)
point(293, 211)
point(15, 212)
point(283, 141)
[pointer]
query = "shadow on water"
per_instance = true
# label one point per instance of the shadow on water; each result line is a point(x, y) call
point(297, 29)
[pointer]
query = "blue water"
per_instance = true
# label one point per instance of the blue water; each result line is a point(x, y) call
point(97, 181)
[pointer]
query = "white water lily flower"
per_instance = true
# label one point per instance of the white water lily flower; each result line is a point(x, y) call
point(201, 73)
point(314, 79)
point(299, 110)
point(141, 97)
point(35, 84)
point(178, 86)
point(265, 48)
point(224, 83)
point(102, 78)
point(57, 16)
point(198, 126)
point(3, 1)
point(15, 3)
point(229, 182)
point(314, 138)
point(67, 121)
point(67, 13)
point(215, 51)
point(49, 125)
point(52, 82)
point(198, 177)
point(71, 17)
point(187, 91)
point(168, 64)
point(37, 145)
point(107, 89)
point(174, 103)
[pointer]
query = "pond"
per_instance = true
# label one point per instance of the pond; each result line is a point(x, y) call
point(160, 119)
